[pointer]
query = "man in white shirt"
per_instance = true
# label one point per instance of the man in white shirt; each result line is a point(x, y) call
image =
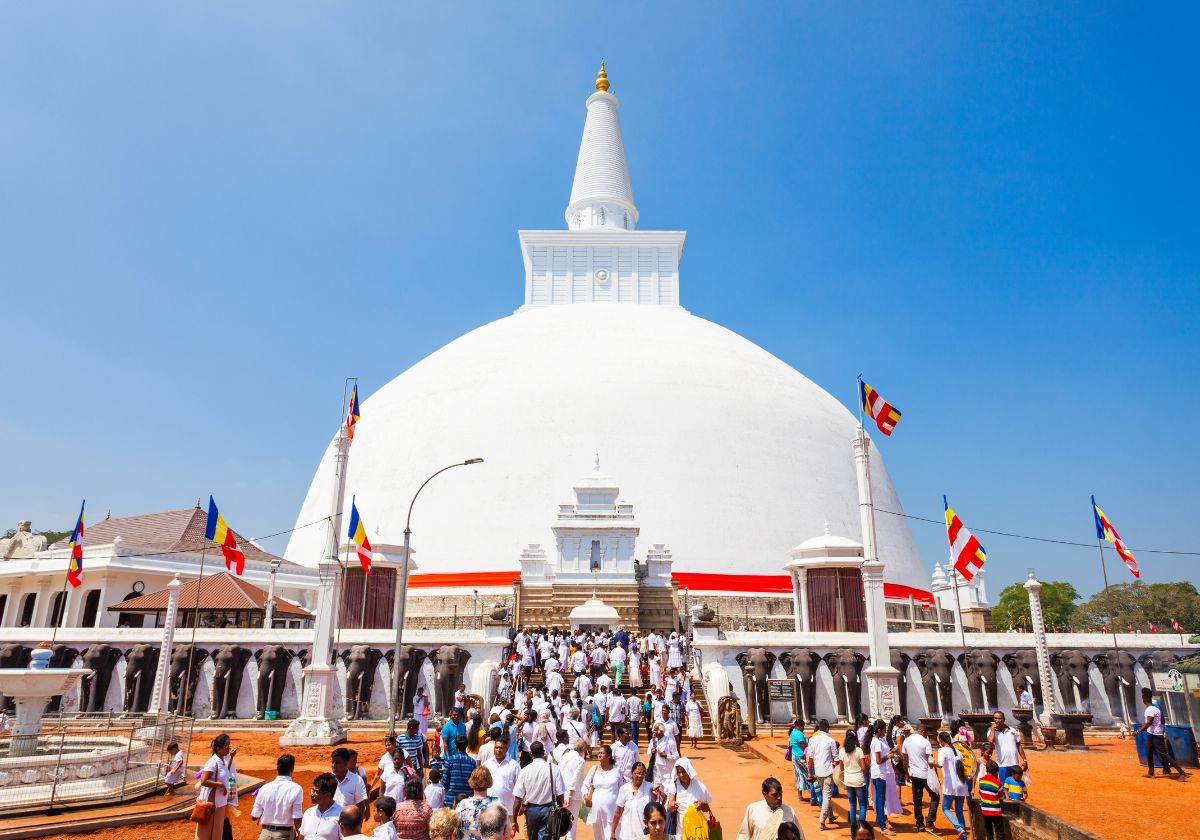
point(759, 813)
point(624, 752)
point(583, 684)
point(279, 804)
point(573, 767)
point(320, 822)
point(536, 790)
point(554, 682)
point(617, 658)
point(351, 790)
point(618, 710)
point(916, 752)
point(822, 753)
point(1152, 723)
point(671, 728)
point(1009, 751)
point(350, 823)
point(578, 664)
point(504, 772)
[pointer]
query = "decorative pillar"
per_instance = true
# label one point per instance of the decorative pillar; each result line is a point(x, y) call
point(1034, 588)
point(158, 697)
point(797, 611)
point(318, 724)
point(883, 681)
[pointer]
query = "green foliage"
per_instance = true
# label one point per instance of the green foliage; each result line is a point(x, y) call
point(1137, 603)
point(1058, 606)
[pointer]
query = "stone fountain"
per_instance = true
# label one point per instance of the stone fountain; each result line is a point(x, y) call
point(32, 688)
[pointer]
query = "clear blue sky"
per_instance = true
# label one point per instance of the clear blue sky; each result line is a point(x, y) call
point(211, 213)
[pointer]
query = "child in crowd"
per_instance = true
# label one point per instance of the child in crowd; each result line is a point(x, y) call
point(385, 807)
point(990, 791)
point(1014, 785)
point(352, 766)
point(173, 768)
point(435, 792)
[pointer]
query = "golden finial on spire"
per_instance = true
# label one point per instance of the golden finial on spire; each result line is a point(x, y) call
point(602, 78)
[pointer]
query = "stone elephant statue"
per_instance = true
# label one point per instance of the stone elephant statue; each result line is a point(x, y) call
point(1071, 669)
point(900, 661)
point(273, 663)
point(183, 677)
point(449, 665)
point(937, 669)
point(408, 671)
point(229, 664)
point(64, 657)
point(1116, 672)
point(760, 661)
point(845, 665)
point(141, 663)
point(1159, 661)
point(981, 668)
point(361, 662)
point(13, 656)
point(800, 664)
point(101, 659)
point(1023, 668)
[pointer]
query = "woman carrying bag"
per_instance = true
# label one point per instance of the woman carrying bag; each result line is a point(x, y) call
point(686, 792)
point(209, 811)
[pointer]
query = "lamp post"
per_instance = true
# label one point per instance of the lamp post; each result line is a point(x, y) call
point(402, 594)
point(269, 612)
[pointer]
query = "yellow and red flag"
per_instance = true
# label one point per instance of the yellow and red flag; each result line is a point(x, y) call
point(353, 415)
point(1106, 531)
point(967, 553)
point(75, 564)
point(217, 531)
point(885, 415)
point(358, 533)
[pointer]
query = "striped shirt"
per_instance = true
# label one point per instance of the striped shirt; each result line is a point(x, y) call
point(1014, 789)
point(411, 745)
point(457, 776)
point(989, 796)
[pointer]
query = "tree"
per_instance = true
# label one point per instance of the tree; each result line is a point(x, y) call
point(1058, 606)
point(1137, 604)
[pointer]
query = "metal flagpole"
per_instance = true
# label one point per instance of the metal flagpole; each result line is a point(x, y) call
point(62, 616)
point(187, 676)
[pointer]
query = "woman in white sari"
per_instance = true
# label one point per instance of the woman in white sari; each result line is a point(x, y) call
point(628, 821)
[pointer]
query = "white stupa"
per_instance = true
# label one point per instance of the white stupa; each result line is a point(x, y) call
point(731, 456)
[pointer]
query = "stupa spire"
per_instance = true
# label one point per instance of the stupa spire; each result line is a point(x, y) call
point(602, 195)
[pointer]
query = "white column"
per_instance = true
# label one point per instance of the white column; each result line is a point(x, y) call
point(318, 724)
point(1034, 588)
point(158, 697)
point(883, 681)
point(797, 611)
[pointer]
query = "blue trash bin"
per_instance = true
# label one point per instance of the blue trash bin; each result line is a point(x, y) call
point(1143, 743)
point(1183, 743)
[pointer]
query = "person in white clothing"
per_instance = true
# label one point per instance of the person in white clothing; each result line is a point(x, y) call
point(695, 721)
point(628, 820)
point(600, 790)
point(916, 753)
point(954, 785)
point(351, 788)
point(573, 766)
point(579, 661)
point(173, 768)
point(583, 684)
point(279, 804)
point(320, 822)
point(504, 772)
point(665, 753)
point(625, 752)
point(822, 754)
point(214, 788)
point(420, 706)
point(635, 669)
point(385, 809)
point(1157, 746)
point(674, 655)
point(762, 819)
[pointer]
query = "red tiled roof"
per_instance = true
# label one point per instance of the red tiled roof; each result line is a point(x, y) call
point(166, 531)
point(220, 591)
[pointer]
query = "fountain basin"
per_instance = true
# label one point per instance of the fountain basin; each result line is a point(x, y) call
point(32, 688)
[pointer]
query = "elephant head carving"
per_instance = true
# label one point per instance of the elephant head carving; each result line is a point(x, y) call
point(184, 674)
point(900, 660)
point(273, 663)
point(800, 664)
point(760, 661)
point(101, 659)
point(1116, 672)
point(980, 667)
point(937, 668)
point(408, 671)
point(1071, 669)
point(361, 662)
point(1023, 667)
point(845, 665)
point(1158, 661)
point(141, 663)
point(449, 665)
point(229, 664)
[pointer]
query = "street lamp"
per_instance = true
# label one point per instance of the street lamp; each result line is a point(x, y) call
point(402, 594)
point(269, 612)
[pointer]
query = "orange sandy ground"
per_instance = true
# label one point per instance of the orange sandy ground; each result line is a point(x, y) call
point(1104, 789)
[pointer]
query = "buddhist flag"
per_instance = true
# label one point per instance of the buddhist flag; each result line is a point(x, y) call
point(966, 551)
point(1150, 624)
point(353, 415)
point(75, 564)
point(885, 415)
point(1105, 531)
point(219, 532)
point(358, 533)
point(1176, 626)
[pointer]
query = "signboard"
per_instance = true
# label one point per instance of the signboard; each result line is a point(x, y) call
point(781, 690)
point(1170, 681)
